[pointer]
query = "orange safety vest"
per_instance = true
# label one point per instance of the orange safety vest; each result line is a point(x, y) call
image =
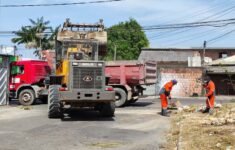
point(210, 88)
point(166, 88)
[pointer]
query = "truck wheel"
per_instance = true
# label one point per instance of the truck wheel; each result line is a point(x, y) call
point(107, 109)
point(54, 109)
point(120, 97)
point(26, 97)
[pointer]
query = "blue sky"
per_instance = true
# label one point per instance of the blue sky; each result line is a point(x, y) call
point(146, 12)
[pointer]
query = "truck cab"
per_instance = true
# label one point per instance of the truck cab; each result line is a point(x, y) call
point(27, 80)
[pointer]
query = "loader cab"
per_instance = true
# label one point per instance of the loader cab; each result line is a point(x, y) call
point(77, 50)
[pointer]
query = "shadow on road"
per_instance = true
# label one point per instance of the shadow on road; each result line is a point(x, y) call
point(84, 115)
point(15, 102)
point(139, 104)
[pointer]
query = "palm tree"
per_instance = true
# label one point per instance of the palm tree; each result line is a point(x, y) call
point(36, 35)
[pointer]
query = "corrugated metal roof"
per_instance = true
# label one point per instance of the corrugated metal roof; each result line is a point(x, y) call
point(225, 61)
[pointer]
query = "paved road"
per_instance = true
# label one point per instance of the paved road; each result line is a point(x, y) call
point(136, 127)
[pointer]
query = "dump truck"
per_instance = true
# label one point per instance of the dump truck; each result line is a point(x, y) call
point(79, 79)
point(26, 81)
point(128, 77)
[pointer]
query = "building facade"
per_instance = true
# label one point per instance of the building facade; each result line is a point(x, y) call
point(179, 64)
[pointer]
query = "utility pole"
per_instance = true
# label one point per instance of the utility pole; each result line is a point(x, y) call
point(204, 53)
point(203, 65)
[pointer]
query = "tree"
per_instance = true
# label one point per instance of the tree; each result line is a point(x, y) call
point(128, 39)
point(36, 35)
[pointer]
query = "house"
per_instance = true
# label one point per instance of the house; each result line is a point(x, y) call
point(222, 72)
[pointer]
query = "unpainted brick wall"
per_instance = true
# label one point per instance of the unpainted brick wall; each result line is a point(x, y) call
point(189, 82)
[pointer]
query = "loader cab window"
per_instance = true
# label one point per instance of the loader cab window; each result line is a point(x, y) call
point(16, 70)
point(79, 51)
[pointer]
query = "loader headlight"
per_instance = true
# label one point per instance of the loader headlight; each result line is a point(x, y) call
point(88, 64)
point(75, 64)
point(100, 64)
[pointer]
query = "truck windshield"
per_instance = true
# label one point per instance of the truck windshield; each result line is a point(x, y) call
point(17, 70)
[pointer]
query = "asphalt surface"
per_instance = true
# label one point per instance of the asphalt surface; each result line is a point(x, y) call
point(135, 127)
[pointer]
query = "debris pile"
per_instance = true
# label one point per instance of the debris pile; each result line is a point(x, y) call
point(222, 116)
point(192, 129)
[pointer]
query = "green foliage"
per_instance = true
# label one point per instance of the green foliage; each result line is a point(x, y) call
point(128, 38)
point(36, 35)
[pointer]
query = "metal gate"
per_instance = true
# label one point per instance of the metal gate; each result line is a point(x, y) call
point(3, 85)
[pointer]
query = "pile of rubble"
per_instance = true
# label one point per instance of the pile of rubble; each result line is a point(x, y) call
point(220, 115)
point(192, 129)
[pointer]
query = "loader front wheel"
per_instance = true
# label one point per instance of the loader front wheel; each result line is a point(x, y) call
point(54, 106)
point(107, 109)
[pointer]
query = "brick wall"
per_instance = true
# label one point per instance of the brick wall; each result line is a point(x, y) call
point(188, 80)
point(215, 54)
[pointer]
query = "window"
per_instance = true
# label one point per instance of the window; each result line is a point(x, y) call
point(223, 54)
point(17, 70)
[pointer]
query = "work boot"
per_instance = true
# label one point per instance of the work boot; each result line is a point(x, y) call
point(206, 110)
point(165, 113)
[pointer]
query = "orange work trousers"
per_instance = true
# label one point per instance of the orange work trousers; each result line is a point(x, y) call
point(164, 101)
point(210, 101)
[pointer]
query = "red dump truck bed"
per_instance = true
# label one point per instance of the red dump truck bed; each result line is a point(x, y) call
point(131, 72)
point(126, 77)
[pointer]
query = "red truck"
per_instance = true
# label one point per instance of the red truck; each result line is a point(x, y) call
point(127, 78)
point(27, 81)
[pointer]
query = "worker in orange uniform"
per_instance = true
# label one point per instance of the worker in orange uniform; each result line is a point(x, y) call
point(164, 93)
point(210, 94)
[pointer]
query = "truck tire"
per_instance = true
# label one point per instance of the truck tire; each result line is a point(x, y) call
point(54, 108)
point(107, 109)
point(120, 96)
point(27, 97)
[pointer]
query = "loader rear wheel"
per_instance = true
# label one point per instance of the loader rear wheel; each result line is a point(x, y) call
point(107, 109)
point(26, 97)
point(120, 97)
point(54, 106)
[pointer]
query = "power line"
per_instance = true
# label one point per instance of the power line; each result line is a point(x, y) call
point(212, 23)
point(218, 15)
point(220, 36)
point(192, 24)
point(62, 4)
point(192, 37)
